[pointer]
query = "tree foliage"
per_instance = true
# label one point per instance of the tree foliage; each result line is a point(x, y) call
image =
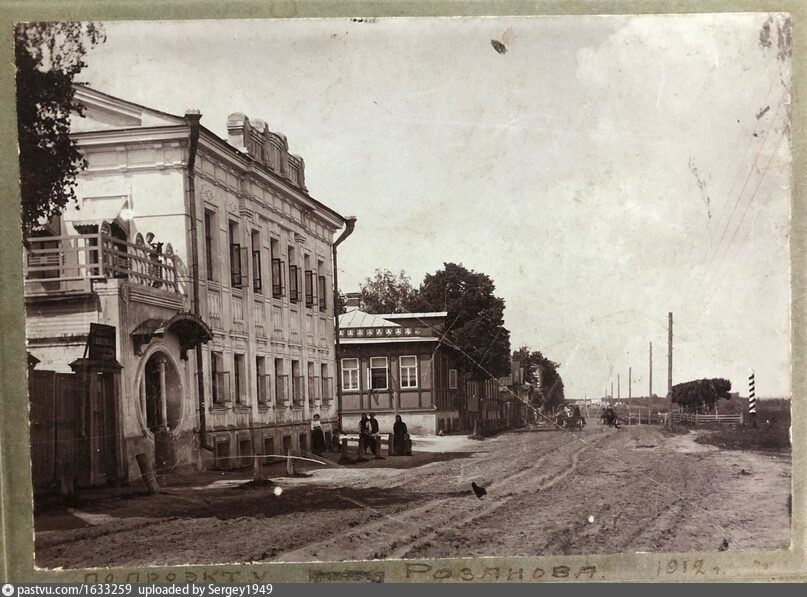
point(475, 319)
point(542, 374)
point(701, 394)
point(386, 292)
point(48, 58)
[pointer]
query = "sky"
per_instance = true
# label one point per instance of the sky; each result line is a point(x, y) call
point(603, 171)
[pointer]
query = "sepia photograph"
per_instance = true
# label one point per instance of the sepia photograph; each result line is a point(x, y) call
point(340, 289)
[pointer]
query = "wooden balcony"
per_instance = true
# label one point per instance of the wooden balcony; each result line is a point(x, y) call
point(70, 264)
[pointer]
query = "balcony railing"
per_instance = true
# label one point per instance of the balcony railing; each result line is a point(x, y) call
point(71, 263)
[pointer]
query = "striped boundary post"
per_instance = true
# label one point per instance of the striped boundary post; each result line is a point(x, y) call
point(752, 398)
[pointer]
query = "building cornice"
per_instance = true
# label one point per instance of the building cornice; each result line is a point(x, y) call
point(249, 168)
point(242, 164)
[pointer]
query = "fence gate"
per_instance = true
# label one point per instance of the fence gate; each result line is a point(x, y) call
point(53, 399)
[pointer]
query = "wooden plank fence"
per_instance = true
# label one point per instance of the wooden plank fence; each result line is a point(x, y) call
point(700, 419)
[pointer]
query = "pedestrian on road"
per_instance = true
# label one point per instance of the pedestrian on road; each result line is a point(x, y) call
point(374, 437)
point(364, 433)
point(400, 438)
point(317, 435)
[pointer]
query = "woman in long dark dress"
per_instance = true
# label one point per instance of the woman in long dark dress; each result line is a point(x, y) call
point(317, 435)
point(364, 434)
point(399, 437)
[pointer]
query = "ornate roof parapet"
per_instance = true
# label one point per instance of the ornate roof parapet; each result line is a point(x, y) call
point(267, 147)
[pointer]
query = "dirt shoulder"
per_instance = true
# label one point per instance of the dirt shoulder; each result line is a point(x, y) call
point(601, 491)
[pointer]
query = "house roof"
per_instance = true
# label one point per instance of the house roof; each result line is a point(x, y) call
point(358, 327)
point(415, 315)
point(360, 319)
point(386, 340)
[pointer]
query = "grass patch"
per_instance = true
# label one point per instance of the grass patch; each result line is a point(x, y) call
point(773, 437)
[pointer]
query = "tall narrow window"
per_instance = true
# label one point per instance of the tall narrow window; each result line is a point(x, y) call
point(281, 383)
point(257, 285)
point(235, 257)
point(214, 370)
point(452, 379)
point(262, 381)
point(309, 288)
point(323, 297)
point(278, 287)
point(313, 384)
point(294, 277)
point(296, 383)
point(308, 281)
point(377, 374)
point(209, 252)
point(321, 289)
point(350, 374)
point(325, 380)
point(409, 371)
point(220, 378)
point(239, 370)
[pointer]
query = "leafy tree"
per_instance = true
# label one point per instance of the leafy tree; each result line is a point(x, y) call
point(701, 394)
point(386, 292)
point(48, 58)
point(541, 373)
point(475, 317)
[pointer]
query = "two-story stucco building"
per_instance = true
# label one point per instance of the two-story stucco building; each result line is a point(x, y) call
point(225, 330)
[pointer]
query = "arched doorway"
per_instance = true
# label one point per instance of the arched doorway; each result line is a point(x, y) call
point(161, 398)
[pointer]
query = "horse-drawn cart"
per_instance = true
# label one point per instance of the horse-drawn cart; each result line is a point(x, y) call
point(568, 416)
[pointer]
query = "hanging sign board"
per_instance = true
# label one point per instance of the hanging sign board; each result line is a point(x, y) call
point(101, 343)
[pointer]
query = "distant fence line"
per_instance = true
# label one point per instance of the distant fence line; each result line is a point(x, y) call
point(698, 419)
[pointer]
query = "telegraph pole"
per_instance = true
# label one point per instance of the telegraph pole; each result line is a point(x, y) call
point(618, 391)
point(669, 360)
point(650, 384)
point(630, 390)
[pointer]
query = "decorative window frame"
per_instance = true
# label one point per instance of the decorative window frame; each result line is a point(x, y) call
point(411, 382)
point(342, 370)
point(370, 374)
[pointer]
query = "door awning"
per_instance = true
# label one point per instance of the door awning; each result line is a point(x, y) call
point(189, 328)
point(96, 210)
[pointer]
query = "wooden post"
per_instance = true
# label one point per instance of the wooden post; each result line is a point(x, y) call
point(669, 360)
point(149, 478)
point(64, 472)
point(163, 397)
point(630, 393)
point(343, 457)
point(257, 469)
point(390, 444)
point(650, 384)
point(289, 464)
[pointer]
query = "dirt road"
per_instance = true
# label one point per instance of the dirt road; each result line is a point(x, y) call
point(550, 492)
